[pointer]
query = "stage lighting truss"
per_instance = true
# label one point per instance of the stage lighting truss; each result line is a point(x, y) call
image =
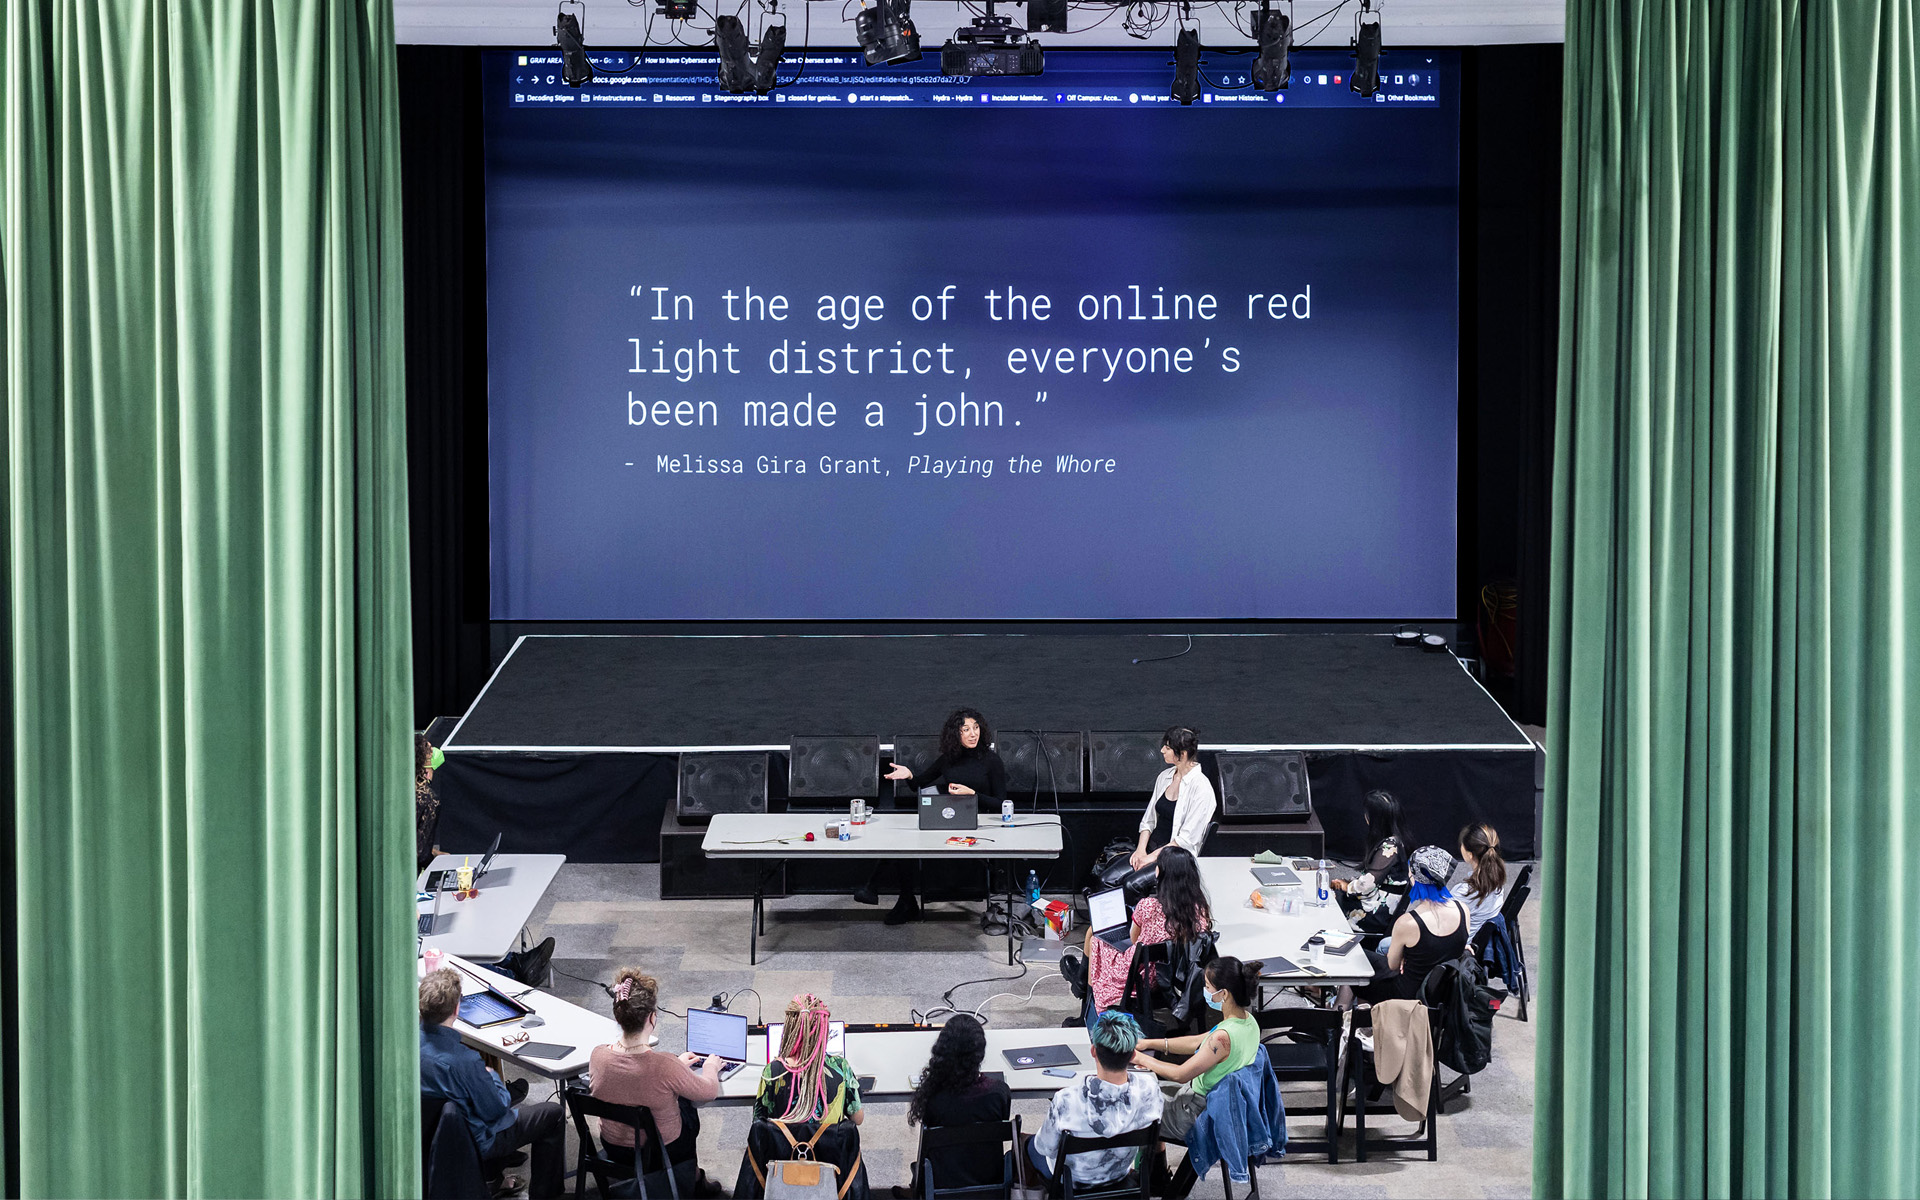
point(1365, 79)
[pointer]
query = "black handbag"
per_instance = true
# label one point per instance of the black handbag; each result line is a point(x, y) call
point(1114, 869)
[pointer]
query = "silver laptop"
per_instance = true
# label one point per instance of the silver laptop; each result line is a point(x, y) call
point(1107, 916)
point(429, 923)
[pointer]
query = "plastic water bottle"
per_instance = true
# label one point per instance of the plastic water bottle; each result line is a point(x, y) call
point(1033, 888)
point(1006, 812)
point(1320, 883)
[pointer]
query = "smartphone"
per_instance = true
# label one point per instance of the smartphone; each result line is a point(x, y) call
point(1310, 969)
point(1058, 1072)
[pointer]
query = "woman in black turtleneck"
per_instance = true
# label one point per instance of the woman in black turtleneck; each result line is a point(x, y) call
point(967, 766)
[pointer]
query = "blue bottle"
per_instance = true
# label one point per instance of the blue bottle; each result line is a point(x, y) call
point(1033, 888)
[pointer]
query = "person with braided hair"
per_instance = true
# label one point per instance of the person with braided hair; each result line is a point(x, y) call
point(804, 1082)
point(629, 1071)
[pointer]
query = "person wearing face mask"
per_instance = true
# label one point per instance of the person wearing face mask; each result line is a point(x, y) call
point(967, 766)
point(1216, 1054)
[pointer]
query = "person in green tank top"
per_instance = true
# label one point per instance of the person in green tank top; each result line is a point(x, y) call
point(1215, 1054)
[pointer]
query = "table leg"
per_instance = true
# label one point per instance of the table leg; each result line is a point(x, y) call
point(1010, 874)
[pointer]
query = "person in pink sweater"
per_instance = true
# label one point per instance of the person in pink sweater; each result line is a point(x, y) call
point(629, 1071)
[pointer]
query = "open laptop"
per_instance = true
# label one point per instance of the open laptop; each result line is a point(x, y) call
point(438, 880)
point(720, 1034)
point(490, 1006)
point(950, 812)
point(429, 923)
point(1107, 917)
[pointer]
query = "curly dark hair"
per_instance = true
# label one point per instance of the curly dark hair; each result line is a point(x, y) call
point(1182, 897)
point(950, 747)
point(953, 1065)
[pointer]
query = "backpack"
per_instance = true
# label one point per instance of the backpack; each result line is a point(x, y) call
point(813, 1172)
point(1457, 991)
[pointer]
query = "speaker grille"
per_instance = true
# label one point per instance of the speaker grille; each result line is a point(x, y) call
point(833, 767)
point(1124, 762)
point(1264, 783)
point(1063, 769)
point(916, 752)
point(722, 783)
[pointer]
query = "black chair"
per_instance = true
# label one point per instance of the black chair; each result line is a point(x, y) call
point(934, 1139)
point(1510, 913)
point(1137, 1182)
point(612, 1177)
point(450, 1162)
point(1426, 1137)
point(1304, 1045)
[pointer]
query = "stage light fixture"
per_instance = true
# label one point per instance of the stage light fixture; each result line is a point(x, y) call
point(736, 60)
point(575, 70)
point(886, 32)
point(1274, 33)
point(1186, 66)
point(991, 45)
point(1365, 79)
point(1047, 16)
point(773, 47)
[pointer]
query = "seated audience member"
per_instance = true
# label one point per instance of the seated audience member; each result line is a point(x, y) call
point(1215, 1054)
point(1378, 895)
point(629, 1071)
point(953, 1091)
point(1433, 930)
point(426, 801)
point(1109, 1102)
point(1182, 803)
point(804, 1082)
point(1177, 912)
point(1485, 891)
point(453, 1072)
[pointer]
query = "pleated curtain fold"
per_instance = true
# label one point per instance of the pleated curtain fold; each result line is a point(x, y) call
point(207, 599)
point(1730, 933)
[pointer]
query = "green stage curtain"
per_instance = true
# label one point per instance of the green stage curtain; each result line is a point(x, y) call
point(1729, 914)
point(207, 574)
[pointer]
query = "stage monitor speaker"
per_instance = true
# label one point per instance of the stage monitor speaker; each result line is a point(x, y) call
point(916, 753)
point(722, 783)
point(833, 767)
point(1124, 762)
point(1062, 770)
point(1264, 783)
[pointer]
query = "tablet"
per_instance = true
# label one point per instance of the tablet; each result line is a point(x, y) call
point(541, 1050)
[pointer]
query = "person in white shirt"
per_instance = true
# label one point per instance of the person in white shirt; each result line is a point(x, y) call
point(1182, 803)
point(1485, 891)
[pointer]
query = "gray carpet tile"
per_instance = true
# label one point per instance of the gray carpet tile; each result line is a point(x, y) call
point(605, 916)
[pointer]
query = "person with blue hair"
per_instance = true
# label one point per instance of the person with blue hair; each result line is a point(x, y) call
point(1432, 930)
point(1109, 1102)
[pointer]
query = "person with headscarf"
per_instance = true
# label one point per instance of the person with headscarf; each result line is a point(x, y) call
point(1432, 930)
point(804, 1082)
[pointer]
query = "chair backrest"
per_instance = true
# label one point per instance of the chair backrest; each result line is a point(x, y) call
point(649, 1154)
point(1143, 1139)
point(451, 1162)
point(1517, 894)
point(937, 1138)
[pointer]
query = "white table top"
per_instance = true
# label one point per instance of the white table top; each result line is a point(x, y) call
point(1250, 933)
point(483, 928)
point(566, 1024)
point(886, 835)
point(894, 1057)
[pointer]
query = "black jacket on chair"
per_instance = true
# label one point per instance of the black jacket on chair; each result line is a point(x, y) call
point(452, 1161)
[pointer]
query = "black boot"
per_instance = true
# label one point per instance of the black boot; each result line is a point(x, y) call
point(907, 909)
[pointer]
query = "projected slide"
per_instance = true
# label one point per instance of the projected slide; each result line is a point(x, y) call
point(892, 346)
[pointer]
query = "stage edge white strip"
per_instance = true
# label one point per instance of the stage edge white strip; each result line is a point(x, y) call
point(483, 694)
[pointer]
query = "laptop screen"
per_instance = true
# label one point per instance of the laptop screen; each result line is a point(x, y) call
point(719, 1033)
point(1107, 909)
point(836, 1039)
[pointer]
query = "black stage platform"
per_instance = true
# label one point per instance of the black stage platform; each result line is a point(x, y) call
point(570, 746)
